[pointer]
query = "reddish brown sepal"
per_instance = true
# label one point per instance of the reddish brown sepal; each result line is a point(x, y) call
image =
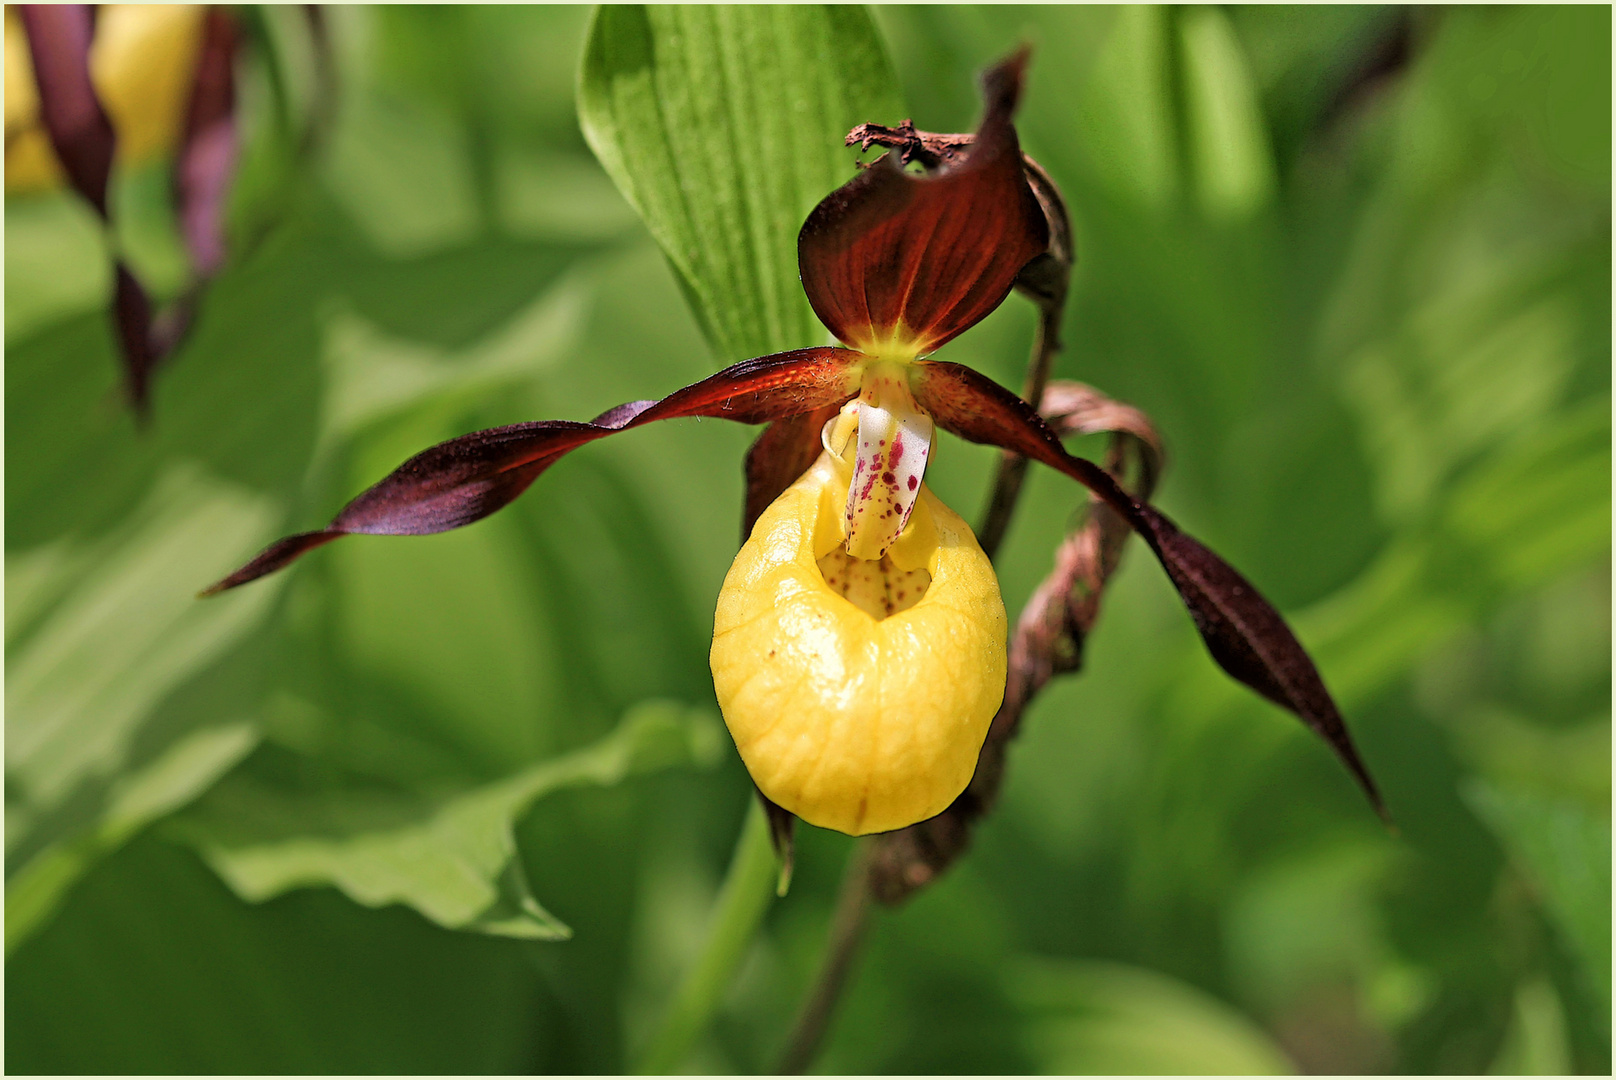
point(1242, 631)
point(464, 480)
point(932, 254)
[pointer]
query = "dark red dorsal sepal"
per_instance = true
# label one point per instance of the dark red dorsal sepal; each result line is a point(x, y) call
point(894, 258)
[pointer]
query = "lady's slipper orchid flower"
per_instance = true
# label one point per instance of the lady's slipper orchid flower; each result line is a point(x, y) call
point(859, 643)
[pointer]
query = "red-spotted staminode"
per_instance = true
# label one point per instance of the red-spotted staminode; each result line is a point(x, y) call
point(859, 643)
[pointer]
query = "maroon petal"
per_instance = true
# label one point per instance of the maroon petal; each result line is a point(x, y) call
point(59, 43)
point(208, 151)
point(1243, 632)
point(464, 480)
point(924, 258)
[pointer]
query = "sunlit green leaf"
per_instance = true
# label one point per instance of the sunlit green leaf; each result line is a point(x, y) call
point(1535, 1044)
point(374, 374)
point(453, 860)
point(127, 631)
point(723, 126)
point(56, 261)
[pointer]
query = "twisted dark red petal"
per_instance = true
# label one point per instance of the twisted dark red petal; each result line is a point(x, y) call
point(464, 480)
point(931, 255)
point(1243, 632)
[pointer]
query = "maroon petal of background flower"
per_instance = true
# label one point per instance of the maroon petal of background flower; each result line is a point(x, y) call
point(59, 37)
point(1242, 631)
point(208, 151)
point(59, 44)
point(932, 254)
point(464, 480)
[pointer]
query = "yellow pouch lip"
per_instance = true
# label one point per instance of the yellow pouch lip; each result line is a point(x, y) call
point(854, 723)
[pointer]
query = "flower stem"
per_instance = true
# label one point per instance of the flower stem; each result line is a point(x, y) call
point(847, 926)
point(1044, 281)
point(1012, 469)
point(748, 887)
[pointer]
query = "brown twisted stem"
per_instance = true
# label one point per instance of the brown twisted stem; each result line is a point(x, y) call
point(1049, 636)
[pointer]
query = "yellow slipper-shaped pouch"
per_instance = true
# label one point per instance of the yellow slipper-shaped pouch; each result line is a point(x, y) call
point(858, 691)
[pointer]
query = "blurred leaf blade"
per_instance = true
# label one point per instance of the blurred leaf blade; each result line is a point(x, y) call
point(724, 126)
point(1089, 1017)
point(1234, 166)
point(1565, 852)
point(188, 768)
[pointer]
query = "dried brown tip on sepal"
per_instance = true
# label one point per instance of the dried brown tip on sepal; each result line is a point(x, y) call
point(1001, 89)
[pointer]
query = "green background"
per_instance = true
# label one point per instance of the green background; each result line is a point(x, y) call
point(1355, 264)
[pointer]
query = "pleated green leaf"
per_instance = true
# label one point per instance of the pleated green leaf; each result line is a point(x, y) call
point(724, 127)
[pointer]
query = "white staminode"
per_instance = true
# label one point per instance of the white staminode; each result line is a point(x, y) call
point(892, 446)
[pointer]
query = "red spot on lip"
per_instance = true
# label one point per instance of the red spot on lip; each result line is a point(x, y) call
point(914, 482)
point(888, 479)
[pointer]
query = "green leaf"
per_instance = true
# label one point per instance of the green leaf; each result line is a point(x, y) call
point(724, 127)
point(374, 374)
point(154, 967)
point(1094, 1017)
point(1564, 851)
point(452, 859)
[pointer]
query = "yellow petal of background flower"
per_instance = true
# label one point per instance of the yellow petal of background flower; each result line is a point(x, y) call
point(141, 62)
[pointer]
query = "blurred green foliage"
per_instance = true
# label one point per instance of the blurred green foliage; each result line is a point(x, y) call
point(1355, 263)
